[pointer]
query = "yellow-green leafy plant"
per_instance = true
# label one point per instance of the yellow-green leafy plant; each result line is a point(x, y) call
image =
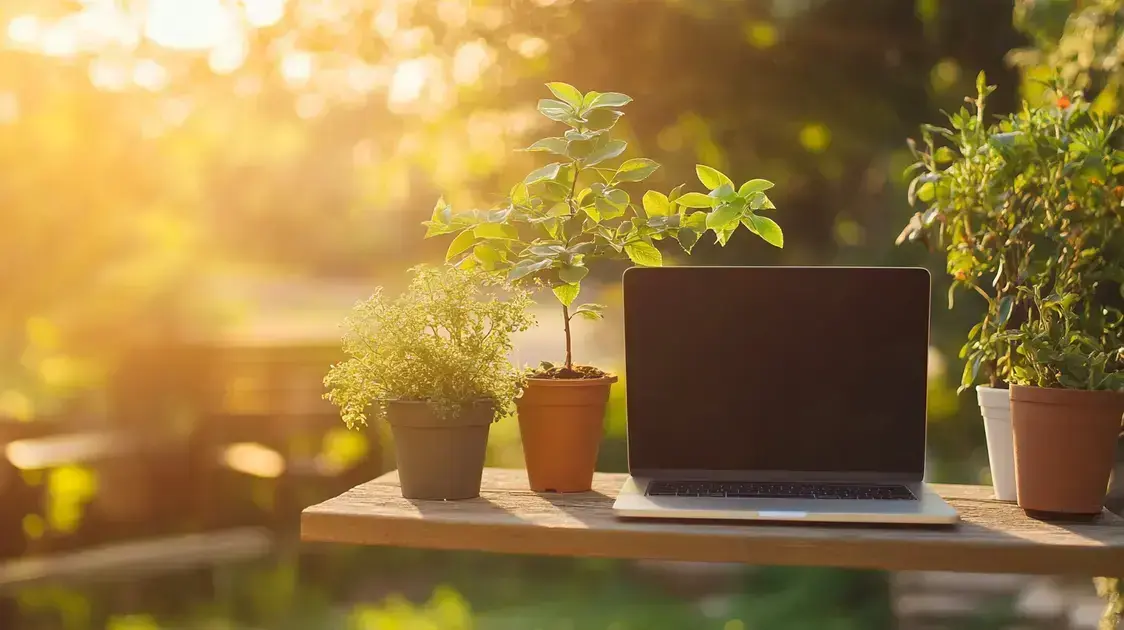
point(1028, 208)
point(445, 341)
point(563, 216)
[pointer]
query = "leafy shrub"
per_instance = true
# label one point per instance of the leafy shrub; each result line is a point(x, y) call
point(1028, 209)
point(445, 341)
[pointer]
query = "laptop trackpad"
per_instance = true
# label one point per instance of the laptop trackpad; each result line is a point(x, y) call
point(782, 514)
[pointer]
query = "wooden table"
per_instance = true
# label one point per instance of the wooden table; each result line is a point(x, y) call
point(993, 537)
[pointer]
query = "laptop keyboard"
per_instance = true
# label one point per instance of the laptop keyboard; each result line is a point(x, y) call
point(757, 490)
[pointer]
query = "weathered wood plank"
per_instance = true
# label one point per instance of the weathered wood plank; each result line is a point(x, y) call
point(993, 537)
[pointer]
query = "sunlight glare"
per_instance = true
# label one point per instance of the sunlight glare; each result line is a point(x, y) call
point(385, 22)
point(264, 13)
point(108, 74)
point(254, 459)
point(470, 61)
point(228, 55)
point(9, 108)
point(529, 47)
point(188, 24)
point(60, 41)
point(409, 79)
point(296, 68)
point(24, 30)
point(150, 75)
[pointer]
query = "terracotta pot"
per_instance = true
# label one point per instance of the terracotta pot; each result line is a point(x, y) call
point(561, 422)
point(439, 458)
point(1065, 446)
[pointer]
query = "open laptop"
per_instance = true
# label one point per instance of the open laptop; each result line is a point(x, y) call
point(778, 393)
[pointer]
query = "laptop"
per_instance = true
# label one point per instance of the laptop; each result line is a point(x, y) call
point(778, 394)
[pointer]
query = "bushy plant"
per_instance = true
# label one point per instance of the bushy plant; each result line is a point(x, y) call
point(1028, 210)
point(575, 210)
point(1056, 351)
point(445, 341)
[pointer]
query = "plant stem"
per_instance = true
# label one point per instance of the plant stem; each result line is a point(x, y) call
point(566, 321)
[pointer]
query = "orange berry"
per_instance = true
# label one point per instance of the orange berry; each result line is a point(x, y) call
point(1119, 192)
point(1063, 101)
point(961, 275)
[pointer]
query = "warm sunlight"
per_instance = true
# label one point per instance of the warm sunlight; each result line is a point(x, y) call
point(188, 24)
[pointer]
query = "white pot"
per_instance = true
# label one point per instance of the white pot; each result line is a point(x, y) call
point(995, 406)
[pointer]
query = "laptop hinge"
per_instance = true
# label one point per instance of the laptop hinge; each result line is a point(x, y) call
point(779, 475)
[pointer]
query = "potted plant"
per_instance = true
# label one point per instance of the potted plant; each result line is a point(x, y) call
point(1009, 201)
point(434, 364)
point(1067, 401)
point(561, 218)
point(963, 184)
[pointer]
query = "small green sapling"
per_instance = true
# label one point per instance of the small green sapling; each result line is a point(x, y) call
point(563, 216)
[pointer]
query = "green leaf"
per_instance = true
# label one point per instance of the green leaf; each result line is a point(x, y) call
point(636, 169)
point(573, 274)
point(725, 192)
point(582, 248)
point(1005, 306)
point(497, 230)
point(527, 267)
point(610, 150)
point(754, 186)
point(725, 233)
point(592, 211)
point(579, 148)
point(767, 229)
point(725, 215)
point(549, 251)
point(442, 213)
point(550, 171)
point(926, 192)
point(696, 221)
point(607, 209)
point(711, 177)
point(945, 154)
point(602, 119)
point(567, 93)
point(696, 200)
point(590, 311)
point(617, 197)
point(644, 253)
point(462, 242)
point(656, 204)
point(555, 110)
point(675, 192)
point(610, 99)
point(687, 238)
point(519, 195)
point(590, 96)
point(553, 145)
point(487, 255)
point(551, 190)
point(567, 293)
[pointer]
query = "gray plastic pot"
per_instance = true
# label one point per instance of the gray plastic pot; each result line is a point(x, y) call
point(439, 458)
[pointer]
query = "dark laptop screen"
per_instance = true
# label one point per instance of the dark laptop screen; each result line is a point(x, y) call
point(812, 369)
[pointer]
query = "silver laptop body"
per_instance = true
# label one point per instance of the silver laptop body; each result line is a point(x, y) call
point(778, 394)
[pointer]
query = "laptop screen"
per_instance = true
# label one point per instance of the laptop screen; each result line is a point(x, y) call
point(798, 369)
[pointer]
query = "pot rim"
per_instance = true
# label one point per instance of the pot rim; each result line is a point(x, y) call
point(608, 379)
point(1067, 397)
point(473, 402)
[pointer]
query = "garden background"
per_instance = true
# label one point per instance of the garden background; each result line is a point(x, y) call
point(193, 193)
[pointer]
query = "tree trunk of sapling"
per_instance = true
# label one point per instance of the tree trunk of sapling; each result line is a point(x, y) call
point(566, 322)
